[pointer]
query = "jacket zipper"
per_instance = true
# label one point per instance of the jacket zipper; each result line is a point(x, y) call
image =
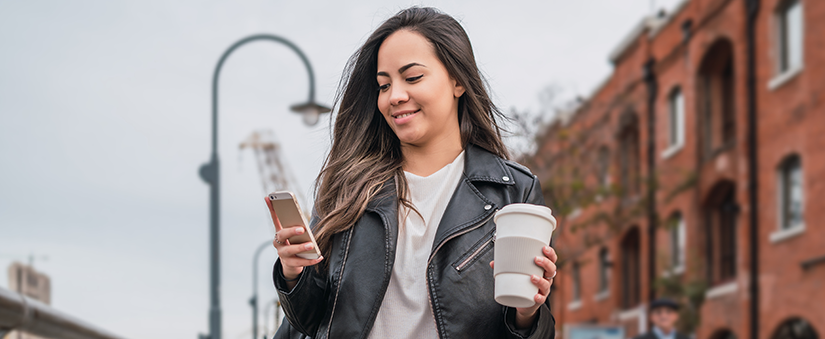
point(476, 252)
point(429, 261)
point(340, 277)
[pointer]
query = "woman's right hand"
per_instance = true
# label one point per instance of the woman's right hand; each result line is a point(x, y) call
point(292, 264)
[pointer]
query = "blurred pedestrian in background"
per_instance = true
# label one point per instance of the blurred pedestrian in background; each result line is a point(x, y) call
point(405, 200)
point(664, 313)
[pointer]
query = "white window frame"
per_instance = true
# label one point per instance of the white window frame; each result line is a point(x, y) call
point(675, 115)
point(604, 269)
point(784, 75)
point(681, 234)
point(791, 231)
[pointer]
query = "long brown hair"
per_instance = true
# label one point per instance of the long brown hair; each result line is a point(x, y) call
point(365, 153)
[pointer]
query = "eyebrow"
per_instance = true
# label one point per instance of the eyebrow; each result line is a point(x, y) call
point(402, 69)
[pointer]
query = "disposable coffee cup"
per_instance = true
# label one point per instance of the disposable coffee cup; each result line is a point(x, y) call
point(522, 230)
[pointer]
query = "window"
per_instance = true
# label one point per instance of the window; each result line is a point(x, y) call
point(791, 193)
point(790, 28)
point(631, 269)
point(629, 148)
point(603, 163)
point(676, 228)
point(721, 218)
point(604, 270)
point(576, 282)
point(676, 121)
point(795, 328)
point(716, 98)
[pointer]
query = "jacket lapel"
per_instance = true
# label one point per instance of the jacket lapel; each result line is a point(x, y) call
point(468, 206)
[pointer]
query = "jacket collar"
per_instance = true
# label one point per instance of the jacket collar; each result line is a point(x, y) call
point(479, 165)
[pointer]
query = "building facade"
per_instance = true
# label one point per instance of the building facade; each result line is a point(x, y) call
point(25, 280)
point(697, 170)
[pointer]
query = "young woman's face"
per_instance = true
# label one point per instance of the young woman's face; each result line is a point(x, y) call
point(417, 97)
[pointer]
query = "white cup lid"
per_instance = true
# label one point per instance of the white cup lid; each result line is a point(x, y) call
point(537, 210)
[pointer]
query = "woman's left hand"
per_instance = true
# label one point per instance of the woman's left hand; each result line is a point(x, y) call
point(527, 315)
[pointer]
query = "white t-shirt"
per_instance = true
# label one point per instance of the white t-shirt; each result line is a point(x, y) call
point(405, 311)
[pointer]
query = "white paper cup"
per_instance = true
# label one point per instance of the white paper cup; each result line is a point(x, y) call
point(522, 230)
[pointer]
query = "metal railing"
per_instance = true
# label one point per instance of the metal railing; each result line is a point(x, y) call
point(21, 313)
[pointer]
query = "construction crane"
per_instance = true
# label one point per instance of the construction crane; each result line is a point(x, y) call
point(275, 174)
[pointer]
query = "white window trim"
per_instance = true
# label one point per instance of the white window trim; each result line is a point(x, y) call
point(673, 149)
point(784, 234)
point(782, 78)
point(722, 290)
point(674, 271)
point(574, 305)
point(602, 295)
point(781, 234)
point(680, 134)
point(680, 268)
point(638, 312)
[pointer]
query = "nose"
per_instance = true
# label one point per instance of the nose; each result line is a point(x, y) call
point(398, 95)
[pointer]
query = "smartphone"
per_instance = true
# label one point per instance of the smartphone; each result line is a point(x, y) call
point(284, 206)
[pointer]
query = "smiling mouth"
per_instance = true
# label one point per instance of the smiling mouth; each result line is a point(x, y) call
point(405, 115)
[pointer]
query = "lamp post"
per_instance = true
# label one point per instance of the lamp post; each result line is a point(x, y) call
point(210, 172)
point(253, 301)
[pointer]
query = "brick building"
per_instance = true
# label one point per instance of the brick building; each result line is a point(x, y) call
point(700, 160)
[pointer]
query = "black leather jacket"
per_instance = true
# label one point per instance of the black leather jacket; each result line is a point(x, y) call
point(342, 302)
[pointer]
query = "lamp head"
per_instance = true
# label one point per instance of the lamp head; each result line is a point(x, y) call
point(311, 111)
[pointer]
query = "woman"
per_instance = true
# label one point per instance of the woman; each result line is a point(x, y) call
point(405, 200)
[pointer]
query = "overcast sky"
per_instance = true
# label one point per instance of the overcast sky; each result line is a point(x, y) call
point(105, 119)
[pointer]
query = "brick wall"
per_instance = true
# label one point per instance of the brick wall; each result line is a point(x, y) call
point(791, 121)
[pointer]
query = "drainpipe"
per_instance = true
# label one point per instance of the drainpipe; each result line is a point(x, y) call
point(752, 7)
point(652, 216)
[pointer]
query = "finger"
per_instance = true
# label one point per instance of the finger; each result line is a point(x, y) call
point(550, 253)
point(542, 284)
point(548, 266)
point(287, 250)
point(491, 264)
point(300, 262)
point(539, 299)
point(289, 232)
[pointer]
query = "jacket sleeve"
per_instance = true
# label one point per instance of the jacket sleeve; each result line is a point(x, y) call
point(544, 325)
point(305, 304)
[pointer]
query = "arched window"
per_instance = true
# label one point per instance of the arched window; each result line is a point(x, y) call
point(721, 213)
point(631, 269)
point(677, 235)
point(791, 194)
point(795, 328)
point(716, 98)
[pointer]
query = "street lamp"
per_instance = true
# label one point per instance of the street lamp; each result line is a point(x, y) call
point(210, 172)
point(253, 301)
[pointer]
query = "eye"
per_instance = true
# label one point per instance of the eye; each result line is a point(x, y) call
point(383, 88)
point(414, 79)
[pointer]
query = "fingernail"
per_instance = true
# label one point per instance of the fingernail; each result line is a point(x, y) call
point(308, 246)
point(299, 231)
point(534, 278)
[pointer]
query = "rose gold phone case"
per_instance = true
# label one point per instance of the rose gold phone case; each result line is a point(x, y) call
point(284, 207)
